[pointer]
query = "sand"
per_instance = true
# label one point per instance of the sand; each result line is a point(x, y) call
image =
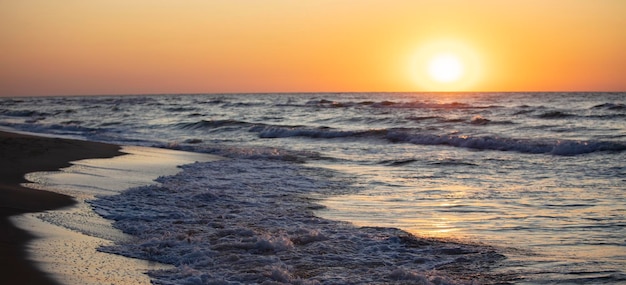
point(21, 154)
point(52, 233)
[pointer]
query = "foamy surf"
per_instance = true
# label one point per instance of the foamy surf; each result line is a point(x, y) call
point(242, 221)
point(68, 239)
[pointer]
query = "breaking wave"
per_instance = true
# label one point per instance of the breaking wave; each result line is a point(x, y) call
point(558, 147)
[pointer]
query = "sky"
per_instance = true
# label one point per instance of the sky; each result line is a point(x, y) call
point(77, 47)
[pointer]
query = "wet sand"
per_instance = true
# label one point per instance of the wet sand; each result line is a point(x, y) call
point(21, 154)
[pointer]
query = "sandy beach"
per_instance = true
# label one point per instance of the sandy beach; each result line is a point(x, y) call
point(23, 154)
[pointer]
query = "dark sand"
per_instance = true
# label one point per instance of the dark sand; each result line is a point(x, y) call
point(21, 154)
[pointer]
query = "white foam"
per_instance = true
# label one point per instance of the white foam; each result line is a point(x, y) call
point(69, 237)
point(251, 221)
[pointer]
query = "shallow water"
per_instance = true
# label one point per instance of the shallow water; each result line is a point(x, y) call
point(69, 238)
point(557, 226)
point(252, 221)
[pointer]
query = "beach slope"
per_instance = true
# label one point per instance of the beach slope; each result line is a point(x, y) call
point(21, 154)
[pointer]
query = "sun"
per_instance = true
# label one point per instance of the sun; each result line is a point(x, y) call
point(445, 68)
point(445, 65)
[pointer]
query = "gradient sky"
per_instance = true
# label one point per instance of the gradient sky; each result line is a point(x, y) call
point(78, 47)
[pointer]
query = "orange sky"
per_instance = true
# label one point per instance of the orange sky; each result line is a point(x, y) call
point(76, 47)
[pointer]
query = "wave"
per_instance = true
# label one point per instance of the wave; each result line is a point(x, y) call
point(476, 120)
point(216, 101)
point(65, 128)
point(242, 104)
point(453, 162)
point(523, 112)
point(211, 124)
point(72, 123)
point(611, 106)
point(399, 162)
point(247, 152)
point(320, 132)
point(415, 136)
point(554, 115)
point(423, 105)
point(607, 106)
point(558, 147)
point(24, 113)
point(285, 131)
point(178, 109)
point(278, 131)
point(423, 118)
point(324, 103)
point(479, 120)
point(206, 223)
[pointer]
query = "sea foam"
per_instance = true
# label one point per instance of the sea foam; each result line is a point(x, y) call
point(243, 221)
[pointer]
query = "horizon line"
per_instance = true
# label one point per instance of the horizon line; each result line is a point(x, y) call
point(298, 92)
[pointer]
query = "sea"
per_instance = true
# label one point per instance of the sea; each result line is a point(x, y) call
point(364, 188)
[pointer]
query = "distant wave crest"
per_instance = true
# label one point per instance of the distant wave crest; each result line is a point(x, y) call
point(324, 103)
point(559, 147)
point(611, 106)
point(211, 124)
point(321, 132)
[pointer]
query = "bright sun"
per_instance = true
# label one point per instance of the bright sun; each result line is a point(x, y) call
point(445, 65)
point(445, 68)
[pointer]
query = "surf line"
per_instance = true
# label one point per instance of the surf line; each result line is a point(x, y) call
point(68, 238)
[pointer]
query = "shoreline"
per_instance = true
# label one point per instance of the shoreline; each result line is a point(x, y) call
point(22, 154)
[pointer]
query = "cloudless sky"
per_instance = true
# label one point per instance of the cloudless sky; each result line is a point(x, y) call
point(78, 47)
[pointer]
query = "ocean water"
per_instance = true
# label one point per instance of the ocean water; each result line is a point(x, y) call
point(365, 188)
